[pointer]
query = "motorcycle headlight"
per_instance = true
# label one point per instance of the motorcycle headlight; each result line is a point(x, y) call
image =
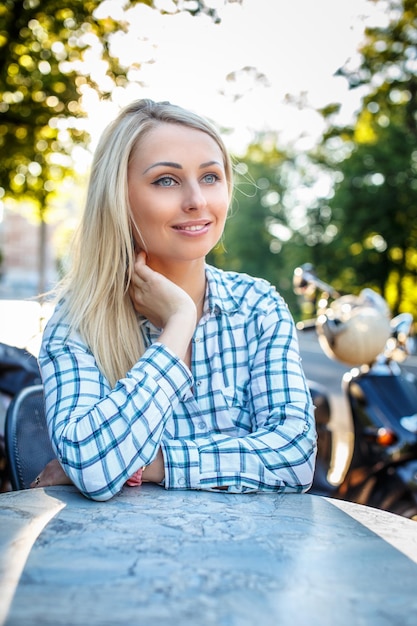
point(353, 334)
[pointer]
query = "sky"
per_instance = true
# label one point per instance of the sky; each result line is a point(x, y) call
point(288, 47)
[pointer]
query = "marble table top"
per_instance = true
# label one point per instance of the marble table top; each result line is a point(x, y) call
point(151, 557)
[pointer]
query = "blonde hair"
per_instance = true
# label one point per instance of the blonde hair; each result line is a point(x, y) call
point(95, 296)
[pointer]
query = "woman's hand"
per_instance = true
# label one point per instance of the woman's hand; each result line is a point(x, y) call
point(155, 471)
point(156, 297)
point(52, 474)
point(165, 304)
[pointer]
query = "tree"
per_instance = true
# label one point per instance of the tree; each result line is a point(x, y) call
point(258, 225)
point(269, 231)
point(374, 207)
point(43, 46)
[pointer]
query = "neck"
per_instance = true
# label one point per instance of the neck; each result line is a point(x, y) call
point(190, 276)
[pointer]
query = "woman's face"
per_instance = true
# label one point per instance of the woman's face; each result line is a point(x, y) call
point(178, 193)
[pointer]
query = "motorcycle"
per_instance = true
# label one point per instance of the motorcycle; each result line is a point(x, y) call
point(381, 394)
point(18, 369)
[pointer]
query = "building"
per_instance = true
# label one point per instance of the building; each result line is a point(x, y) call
point(20, 270)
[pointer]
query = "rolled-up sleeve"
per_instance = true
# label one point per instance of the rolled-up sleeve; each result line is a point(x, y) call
point(101, 436)
point(243, 420)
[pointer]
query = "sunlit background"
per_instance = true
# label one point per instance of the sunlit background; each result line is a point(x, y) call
point(268, 64)
point(263, 65)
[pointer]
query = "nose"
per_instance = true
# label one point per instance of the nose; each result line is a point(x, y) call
point(194, 198)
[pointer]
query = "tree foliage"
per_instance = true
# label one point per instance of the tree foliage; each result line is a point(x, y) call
point(374, 207)
point(258, 226)
point(40, 91)
point(44, 48)
point(45, 68)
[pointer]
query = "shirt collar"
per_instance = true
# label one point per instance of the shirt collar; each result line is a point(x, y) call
point(220, 294)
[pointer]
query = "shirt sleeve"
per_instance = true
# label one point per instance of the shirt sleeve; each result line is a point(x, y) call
point(279, 455)
point(100, 435)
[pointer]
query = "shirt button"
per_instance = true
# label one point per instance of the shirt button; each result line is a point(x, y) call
point(181, 480)
point(197, 340)
point(202, 425)
point(198, 383)
point(306, 428)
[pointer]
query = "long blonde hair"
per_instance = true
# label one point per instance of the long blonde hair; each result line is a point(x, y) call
point(95, 297)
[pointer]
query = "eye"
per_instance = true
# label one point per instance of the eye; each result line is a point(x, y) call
point(210, 179)
point(165, 181)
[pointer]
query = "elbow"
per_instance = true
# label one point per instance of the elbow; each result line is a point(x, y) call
point(300, 475)
point(93, 485)
point(89, 475)
point(98, 493)
point(309, 454)
point(102, 497)
point(301, 482)
point(308, 470)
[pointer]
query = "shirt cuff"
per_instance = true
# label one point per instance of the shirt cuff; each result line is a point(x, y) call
point(182, 465)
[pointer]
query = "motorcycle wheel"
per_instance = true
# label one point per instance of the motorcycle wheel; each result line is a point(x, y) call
point(396, 498)
point(405, 508)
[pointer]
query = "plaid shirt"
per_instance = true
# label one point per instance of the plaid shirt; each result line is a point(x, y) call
point(241, 418)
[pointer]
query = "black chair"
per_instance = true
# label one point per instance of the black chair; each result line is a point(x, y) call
point(28, 447)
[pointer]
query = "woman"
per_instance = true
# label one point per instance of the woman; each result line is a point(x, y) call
point(156, 366)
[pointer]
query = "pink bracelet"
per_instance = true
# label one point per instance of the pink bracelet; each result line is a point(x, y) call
point(136, 479)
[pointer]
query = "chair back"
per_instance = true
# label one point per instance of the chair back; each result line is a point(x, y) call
point(28, 447)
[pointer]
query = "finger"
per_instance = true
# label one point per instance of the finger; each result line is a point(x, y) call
point(141, 256)
point(140, 260)
point(142, 268)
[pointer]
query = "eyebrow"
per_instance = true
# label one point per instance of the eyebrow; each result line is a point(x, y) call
point(178, 166)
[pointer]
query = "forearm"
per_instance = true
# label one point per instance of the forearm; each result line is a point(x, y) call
point(280, 458)
point(102, 436)
point(177, 334)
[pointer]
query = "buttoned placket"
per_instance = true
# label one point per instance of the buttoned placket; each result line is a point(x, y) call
point(197, 339)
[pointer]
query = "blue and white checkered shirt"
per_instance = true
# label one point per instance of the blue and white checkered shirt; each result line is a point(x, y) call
point(242, 418)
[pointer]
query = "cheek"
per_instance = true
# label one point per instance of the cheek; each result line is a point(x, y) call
point(140, 207)
point(139, 217)
point(134, 204)
point(222, 207)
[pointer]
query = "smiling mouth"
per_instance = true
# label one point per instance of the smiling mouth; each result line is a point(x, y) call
point(193, 228)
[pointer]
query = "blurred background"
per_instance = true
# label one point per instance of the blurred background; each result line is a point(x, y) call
point(317, 101)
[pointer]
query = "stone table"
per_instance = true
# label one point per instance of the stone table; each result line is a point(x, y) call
point(151, 557)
